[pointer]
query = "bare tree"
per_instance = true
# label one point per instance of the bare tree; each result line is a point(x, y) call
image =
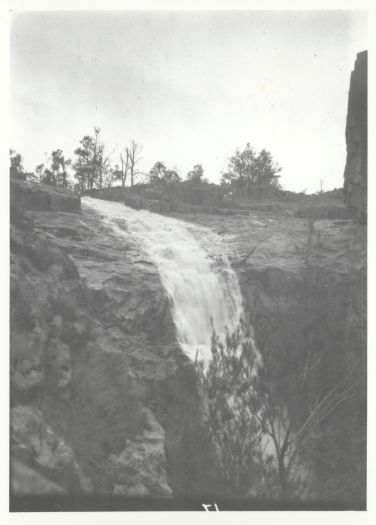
point(130, 157)
point(292, 427)
point(134, 156)
point(121, 172)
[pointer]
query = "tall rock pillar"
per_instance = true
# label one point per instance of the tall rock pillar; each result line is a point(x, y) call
point(355, 183)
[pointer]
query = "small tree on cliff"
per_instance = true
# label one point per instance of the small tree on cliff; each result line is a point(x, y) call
point(248, 170)
point(260, 423)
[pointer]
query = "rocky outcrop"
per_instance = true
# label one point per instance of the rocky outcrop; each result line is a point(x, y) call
point(32, 196)
point(172, 206)
point(173, 198)
point(355, 184)
point(101, 394)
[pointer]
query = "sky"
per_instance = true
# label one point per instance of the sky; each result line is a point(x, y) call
point(191, 87)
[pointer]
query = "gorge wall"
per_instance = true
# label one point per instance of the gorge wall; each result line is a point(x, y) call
point(355, 183)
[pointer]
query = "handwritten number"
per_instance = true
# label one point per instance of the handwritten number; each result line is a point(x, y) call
point(207, 507)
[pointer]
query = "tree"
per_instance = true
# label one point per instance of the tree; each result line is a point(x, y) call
point(197, 174)
point(262, 422)
point(16, 161)
point(59, 168)
point(91, 165)
point(133, 152)
point(129, 159)
point(228, 384)
point(114, 174)
point(293, 410)
point(56, 174)
point(39, 171)
point(121, 173)
point(159, 173)
point(247, 169)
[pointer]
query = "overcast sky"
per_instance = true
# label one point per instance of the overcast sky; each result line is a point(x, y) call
point(190, 87)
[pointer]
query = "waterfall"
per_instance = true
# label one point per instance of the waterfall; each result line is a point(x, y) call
point(194, 269)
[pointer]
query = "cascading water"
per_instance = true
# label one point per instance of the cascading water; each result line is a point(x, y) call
point(194, 269)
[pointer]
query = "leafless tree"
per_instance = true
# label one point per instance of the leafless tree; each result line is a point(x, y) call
point(129, 160)
point(293, 426)
point(123, 172)
point(134, 157)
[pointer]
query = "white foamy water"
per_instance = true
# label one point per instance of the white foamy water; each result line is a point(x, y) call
point(194, 269)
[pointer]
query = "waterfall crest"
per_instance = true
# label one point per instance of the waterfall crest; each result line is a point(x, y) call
point(194, 269)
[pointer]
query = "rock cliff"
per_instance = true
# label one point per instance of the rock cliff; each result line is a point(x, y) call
point(355, 184)
point(102, 398)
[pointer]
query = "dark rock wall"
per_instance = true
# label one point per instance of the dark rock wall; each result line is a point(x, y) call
point(355, 183)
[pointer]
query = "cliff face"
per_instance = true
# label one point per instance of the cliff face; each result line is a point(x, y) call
point(355, 183)
point(102, 398)
point(304, 283)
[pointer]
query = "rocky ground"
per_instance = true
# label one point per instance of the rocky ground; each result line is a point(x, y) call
point(276, 238)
